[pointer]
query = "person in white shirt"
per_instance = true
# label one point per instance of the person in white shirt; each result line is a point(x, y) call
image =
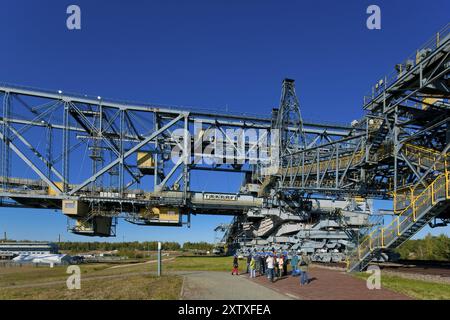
point(270, 265)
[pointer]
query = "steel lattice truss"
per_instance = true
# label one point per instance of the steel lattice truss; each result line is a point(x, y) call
point(59, 146)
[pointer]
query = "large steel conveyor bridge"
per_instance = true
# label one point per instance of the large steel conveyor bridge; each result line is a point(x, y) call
point(305, 185)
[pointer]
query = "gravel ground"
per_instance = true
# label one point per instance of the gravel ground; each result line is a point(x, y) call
point(436, 275)
point(417, 276)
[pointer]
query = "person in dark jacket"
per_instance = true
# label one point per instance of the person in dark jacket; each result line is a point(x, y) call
point(235, 266)
point(275, 266)
point(249, 259)
point(285, 264)
point(257, 262)
point(262, 264)
point(304, 266)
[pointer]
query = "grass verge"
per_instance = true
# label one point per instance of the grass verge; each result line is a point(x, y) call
point(203, 263)
point(135, 287)
point(416, 289)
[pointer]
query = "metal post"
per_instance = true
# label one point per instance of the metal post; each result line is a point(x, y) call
point(155, 155)
point(303, 169)
point(121, 150)
point(318, 167)
point(49, 150)
point(337, 165)
point(396, 149)
point(187, 157)
point(65, 147)
point(159, 259)
point(6, 141)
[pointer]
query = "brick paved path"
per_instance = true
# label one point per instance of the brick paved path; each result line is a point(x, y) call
point(329, 284)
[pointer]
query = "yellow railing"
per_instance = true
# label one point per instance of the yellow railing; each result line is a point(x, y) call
point(326, 165)
point(438, 190)
point(422, 156)
point(425, 156)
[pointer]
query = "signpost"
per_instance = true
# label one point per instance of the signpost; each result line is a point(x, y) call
point(159, 259)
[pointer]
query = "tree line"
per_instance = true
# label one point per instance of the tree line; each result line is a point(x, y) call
point(204, 246)
point(428, 248)
point(132, 246)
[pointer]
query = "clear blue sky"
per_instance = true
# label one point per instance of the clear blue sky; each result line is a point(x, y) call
point(212, 54)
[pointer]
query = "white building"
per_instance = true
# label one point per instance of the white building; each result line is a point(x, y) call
point(27, 248)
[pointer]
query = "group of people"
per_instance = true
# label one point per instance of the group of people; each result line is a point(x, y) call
point(275, 265)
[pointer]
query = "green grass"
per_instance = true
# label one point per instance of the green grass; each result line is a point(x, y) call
point(132, 281)
point(416, 289)
point(127, 282)
point(136, 287)
point(203, 263)
point(28, 273)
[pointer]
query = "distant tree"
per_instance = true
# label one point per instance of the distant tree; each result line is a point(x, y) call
point(428, 248)
point(121, 246)
point(198, 246)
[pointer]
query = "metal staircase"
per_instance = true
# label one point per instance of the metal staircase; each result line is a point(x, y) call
point(378, 139)
point(422, 208)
